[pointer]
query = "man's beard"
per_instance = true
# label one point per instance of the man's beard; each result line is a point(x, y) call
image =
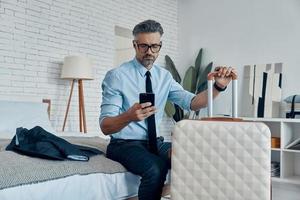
point(148, 60)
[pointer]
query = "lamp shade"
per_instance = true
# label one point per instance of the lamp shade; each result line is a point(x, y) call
point(77, 67)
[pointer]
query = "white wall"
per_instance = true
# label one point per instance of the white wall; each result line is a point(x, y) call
point(240, 32)
point(124, 50)
point(36, 35)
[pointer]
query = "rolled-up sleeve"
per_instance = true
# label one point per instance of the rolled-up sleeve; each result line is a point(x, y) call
point(180, 96)
point(111, 96)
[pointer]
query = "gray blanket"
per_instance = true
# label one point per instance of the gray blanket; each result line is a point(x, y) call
point(16, 169)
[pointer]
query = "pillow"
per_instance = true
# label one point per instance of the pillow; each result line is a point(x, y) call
point(290, 99)
point(23, 114)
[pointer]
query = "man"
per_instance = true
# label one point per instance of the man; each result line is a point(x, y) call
point(132, 126)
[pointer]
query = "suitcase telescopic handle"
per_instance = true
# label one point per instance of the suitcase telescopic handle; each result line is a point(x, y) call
point(210, 78)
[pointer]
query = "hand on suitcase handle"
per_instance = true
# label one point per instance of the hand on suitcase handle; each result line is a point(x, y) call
point(210, 77)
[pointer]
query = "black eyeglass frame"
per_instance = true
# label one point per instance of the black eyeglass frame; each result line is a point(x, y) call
point(148, 46)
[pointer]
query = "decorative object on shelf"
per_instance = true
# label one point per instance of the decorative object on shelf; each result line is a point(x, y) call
point(292, 106)
point(195, 81)
point(275, 142)
point(275, 169)
point(294, 145)
point(77, 68)
point(262, 90)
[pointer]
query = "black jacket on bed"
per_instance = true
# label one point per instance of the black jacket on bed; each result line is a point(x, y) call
point(37, 142)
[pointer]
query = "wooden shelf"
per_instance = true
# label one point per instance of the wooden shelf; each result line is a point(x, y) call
point(287, 130)
point(276, 179)
point(290, 180)
point(291, 150)
point(275, 149)
point(271, 119)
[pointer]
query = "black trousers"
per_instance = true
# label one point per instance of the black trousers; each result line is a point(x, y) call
point(134, 155)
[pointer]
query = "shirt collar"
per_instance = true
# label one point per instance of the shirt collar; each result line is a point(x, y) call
point(141, 69)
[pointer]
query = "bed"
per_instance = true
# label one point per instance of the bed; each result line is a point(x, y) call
point(23, 177)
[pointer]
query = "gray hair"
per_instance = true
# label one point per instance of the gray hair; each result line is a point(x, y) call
point(148, 26)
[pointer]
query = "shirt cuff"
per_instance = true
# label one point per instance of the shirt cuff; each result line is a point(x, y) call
point(188, 101)
point(108, 111)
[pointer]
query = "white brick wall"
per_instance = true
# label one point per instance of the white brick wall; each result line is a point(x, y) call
point(36, 35)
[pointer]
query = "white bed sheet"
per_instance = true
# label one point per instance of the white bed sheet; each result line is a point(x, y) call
point(98, 186)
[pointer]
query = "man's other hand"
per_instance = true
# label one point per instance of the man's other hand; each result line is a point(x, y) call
point(224, 75)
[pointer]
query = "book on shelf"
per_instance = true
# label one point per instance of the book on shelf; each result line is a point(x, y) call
point(295, 145)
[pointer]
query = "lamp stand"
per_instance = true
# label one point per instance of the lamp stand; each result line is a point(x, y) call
point(82, 119)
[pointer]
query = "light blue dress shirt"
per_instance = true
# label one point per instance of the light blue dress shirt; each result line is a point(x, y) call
point(121, 88)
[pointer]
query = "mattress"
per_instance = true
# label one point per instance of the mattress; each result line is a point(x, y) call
point(118, 186)
point(220, 161)
point(24, 177)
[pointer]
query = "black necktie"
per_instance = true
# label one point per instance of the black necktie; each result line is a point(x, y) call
point(151, 119)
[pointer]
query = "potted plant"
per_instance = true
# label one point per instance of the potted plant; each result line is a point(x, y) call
point(195, 81)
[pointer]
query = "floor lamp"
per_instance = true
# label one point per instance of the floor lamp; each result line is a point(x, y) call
point(77, 68)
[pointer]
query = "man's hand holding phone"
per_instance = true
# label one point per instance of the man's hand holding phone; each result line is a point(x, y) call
point(144, 109)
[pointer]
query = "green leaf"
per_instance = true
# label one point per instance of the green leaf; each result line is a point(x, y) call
point(170, 109)
point(202, 87)
point(198, 63)
point(187, 115)
point(189, 81)
point(202, 81)
point(172, 69)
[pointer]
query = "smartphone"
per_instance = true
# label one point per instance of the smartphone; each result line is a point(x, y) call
point(147, 97)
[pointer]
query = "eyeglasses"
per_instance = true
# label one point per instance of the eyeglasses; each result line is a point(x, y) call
point(155, 48)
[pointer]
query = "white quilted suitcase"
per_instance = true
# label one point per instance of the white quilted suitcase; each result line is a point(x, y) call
point(220, 160)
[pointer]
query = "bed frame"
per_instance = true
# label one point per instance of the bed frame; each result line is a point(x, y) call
point(48, 101)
